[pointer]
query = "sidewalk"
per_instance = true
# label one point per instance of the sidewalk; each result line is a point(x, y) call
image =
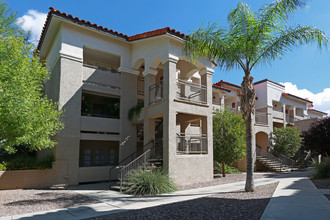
point(297, 198)
point(294, 195)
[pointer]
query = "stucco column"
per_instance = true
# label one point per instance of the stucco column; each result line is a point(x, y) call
point(206, 80)
point(284, 115)
point(222, 102)
point(294, 113)
point(207, 123)
point(169, 117)
point(128, 99)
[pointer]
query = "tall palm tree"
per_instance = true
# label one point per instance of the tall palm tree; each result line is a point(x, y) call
point(252, 39)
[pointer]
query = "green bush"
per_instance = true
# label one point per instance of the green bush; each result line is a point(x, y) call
point(322, 170)
point(149, 182)
point(27, 163)
point(287, 140)
point(228, 169)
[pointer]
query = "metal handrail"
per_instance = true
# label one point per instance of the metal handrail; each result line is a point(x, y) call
point(156, 93)
point(136, 163)
point(120, 165)
point(191, 143)
point(286, 160)
point(192, 95)
point(264, 154)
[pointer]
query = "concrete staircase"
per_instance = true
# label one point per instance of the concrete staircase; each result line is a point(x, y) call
point(273, 163)
point(149, 159)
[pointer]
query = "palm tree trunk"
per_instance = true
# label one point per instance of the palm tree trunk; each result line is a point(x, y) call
point(247, 109)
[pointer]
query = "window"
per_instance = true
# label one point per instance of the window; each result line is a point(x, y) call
point(98, 153)
point(100, 106)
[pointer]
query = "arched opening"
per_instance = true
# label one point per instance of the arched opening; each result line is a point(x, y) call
point(262, 140)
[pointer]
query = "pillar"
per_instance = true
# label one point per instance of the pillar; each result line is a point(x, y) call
point(169, 117)
point(128, 99)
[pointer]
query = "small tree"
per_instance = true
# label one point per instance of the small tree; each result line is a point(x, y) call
point(317, 138)
point(287, 140)
point(228, 137)
point(27, 117)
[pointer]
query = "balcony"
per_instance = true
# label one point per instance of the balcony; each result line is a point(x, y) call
point(191, 144)
point(289, 119)
point(156, 93)
point(191, 92)
point(140, 86)
point(261, 118)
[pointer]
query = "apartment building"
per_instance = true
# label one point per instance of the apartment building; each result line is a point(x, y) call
point(98, 75)
point(274, 109)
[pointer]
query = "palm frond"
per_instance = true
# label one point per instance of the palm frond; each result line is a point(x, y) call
point(288, 39)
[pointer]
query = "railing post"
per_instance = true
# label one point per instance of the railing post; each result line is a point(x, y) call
point(121, 181)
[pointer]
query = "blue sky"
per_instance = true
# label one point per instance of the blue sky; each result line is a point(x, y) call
point(305, 70)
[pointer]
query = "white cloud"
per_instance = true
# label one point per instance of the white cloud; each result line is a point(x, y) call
point(33, 21)
point(321, 101)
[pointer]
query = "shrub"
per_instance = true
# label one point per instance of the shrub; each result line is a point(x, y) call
point(287, 140)
point(27, 163)
point(228, 137)
point(149, 182)
point(317, 138)
point(228, 169)
point(322, 170)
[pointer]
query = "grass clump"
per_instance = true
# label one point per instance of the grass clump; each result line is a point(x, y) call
point(142, 182)
point(322, 170)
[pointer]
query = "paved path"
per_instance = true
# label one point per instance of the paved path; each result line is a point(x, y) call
point(296, 197)
point(293, 185)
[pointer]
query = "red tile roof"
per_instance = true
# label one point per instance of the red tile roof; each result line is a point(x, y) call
point(296, 97)
point(221, 88)
point(222, 83)
point(110, 31)
point(314, 110)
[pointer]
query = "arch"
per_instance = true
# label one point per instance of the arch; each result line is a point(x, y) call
point(262, 140)
point(155, 63)
point(197, 62)
point(138, 63)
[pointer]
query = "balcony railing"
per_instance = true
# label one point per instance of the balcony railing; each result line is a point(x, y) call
point(156, 93)
point(140, 86)
point(289, 118)
point(261, 118)
point(191, 143)
point(191, 92)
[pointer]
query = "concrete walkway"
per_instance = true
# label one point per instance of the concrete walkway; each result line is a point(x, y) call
point(291, 186)
point(296, 197)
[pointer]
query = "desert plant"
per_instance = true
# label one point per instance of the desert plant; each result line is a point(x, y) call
point(152, 181)
point(322, 170)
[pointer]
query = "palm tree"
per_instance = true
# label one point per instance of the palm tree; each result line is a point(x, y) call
point(252, 39)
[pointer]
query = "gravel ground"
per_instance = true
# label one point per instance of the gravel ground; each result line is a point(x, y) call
point(233, 205)
point(322, 184)
point(230, 178)
point(19, 201)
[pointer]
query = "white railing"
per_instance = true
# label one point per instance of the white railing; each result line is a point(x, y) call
point(261, 118)
point(140, 86)
point(156, 93)
point(191, 92)
point(289, 118)
point(277, 114)
point(191, 143)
